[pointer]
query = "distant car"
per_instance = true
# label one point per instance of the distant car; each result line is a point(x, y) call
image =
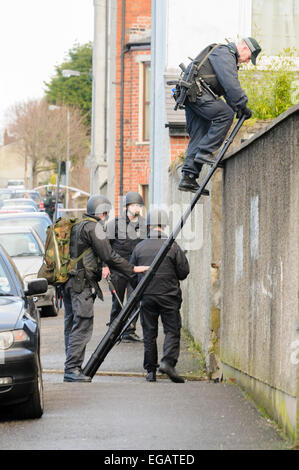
point(26, 249)
point(18, 202)
point(39, 221)
point(16, 184)
point(15, 209)
point(21, 384)
point(31, 194)
point(6, 193)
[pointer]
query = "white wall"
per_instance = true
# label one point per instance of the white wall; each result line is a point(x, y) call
point(193, 24)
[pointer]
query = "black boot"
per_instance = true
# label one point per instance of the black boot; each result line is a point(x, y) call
point(188, 183)
point(167, 369)
point(75, 375)
point(151, 376)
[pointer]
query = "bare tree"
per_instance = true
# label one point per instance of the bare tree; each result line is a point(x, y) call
point(46, 133)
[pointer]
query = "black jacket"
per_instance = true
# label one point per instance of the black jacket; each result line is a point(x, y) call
point(224, 61)
point(124, 234)
point(92, 234)
point(174, 267)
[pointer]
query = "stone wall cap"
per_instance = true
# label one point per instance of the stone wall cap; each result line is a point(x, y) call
point(293, 110)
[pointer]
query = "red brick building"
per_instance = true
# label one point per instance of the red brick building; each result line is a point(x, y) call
point(133, 32)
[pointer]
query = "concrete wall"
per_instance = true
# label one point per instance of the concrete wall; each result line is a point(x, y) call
point(260, 269)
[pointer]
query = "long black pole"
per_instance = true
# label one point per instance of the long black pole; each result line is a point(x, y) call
point(112, 334)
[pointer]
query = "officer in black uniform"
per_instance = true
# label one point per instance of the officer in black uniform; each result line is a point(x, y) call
point(162, 297)
point(124, 233)
point(80, 290)
point(209, 119)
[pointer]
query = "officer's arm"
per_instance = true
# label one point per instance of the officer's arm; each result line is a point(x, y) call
point(95, 236)
point(224, 64)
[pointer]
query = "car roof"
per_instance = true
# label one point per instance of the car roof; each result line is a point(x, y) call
point(23, 215)
point(16, 229)
point(20, 199)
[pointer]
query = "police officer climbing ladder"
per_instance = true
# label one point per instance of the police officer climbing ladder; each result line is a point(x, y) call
point(242, 53)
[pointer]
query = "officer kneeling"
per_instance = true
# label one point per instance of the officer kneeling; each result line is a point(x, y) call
point(88, 241)
point(162, 297)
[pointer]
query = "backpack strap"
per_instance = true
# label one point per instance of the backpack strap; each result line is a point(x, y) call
point(207, 55)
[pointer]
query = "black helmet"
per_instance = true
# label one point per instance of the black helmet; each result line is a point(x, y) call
point(133, 198)
point(98, 205)
point(157, 217)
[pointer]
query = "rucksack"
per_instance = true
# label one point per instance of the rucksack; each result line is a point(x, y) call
point(57, 262)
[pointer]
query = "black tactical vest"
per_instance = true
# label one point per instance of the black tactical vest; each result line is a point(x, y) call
point(90, 262)
point(206, 70)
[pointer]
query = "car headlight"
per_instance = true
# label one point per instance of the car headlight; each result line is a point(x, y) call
point(8, 338)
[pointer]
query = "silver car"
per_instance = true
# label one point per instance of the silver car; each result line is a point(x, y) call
point(39, 221)
point(20, 201)
point(26, 249)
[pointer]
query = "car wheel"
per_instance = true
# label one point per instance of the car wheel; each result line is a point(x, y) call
point(34, 407)
point(51, 310)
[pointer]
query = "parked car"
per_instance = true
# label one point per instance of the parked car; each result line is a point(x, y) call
point(18, 202)
point(16, 184)
point(6, 193)
point(26, 250)
point(21, 385)
point(16, 209)
point(31, 194)
point(39, 221)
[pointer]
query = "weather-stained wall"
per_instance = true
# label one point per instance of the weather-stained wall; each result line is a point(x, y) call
point(260, 269)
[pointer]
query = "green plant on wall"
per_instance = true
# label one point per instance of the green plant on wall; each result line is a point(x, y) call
point(274, 89)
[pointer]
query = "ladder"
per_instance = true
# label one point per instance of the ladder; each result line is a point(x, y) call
point(124, 318)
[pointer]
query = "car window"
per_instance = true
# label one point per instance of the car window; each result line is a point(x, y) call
point(6, 285)
point(20, 244)
point(35, 196)
point(39, 224)
point(19, 202)
point(5, 195)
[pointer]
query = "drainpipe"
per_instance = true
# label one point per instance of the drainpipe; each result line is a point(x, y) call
point(121, 156)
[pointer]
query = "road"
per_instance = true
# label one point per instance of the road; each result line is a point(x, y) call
point(120, 410)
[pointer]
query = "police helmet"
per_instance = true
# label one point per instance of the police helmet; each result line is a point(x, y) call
point(98, 205)
point(133, 198)
point(157, 217)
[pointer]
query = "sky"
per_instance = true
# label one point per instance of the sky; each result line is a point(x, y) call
point(36, 35)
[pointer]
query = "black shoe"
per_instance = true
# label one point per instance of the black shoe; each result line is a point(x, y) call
point(188, 183)
point(75, 375)
point(131, 338)
point(171, 372)
point(206, 158)
point(151, 376)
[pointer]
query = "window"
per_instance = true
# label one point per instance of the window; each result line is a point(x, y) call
point(146, 102)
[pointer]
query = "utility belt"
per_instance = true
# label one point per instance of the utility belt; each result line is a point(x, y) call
point(195, 89)
point(80, 281)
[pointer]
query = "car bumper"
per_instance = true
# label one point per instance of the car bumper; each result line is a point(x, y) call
point(44, 300)
point(21, 365)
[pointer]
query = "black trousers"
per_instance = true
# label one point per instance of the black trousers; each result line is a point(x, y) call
point(208, 120)
point(122, 285)
point(168, 308)
point(78, 324)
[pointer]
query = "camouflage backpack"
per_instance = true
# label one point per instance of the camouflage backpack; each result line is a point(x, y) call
point(57, 263)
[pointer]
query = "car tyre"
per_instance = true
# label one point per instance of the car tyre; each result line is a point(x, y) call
point(51, 310)
point(34, 407)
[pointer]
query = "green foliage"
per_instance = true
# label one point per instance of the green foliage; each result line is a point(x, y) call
point(274, 89)
point(73, 91)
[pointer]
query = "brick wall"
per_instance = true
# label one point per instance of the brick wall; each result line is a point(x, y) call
point(135, 152)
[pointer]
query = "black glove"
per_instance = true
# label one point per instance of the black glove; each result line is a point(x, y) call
point(244, 112)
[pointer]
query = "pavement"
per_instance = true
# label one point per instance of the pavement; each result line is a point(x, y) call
point(120, 410)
